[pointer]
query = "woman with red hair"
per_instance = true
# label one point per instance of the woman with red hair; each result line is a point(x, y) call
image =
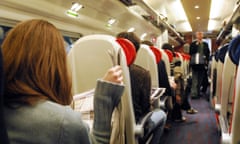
point(37, 94)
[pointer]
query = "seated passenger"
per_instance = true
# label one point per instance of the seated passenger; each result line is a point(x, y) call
point(37, 92)
point(164, 81)
point(141, 89)
point(162, 72)
point(182, 100)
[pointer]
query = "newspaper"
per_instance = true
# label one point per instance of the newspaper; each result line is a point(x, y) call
point(83, 103)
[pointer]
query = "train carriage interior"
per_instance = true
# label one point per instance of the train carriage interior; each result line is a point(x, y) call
point(178, 30)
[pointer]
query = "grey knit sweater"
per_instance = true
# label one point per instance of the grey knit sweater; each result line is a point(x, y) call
point(52, 123)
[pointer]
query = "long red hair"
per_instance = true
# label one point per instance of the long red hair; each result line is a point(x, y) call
point(35, 67)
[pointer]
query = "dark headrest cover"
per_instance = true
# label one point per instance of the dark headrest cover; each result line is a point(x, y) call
point(222, 52)
point(216, 55)
point(157, 53)
point(234, 49)
point(128, 48)
point(170, 54)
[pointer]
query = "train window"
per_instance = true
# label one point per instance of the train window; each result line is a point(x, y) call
point(69, 42)
point(67, 39)
point(3, 31)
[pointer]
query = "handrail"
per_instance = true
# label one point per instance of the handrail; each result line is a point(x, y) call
point(227, 28)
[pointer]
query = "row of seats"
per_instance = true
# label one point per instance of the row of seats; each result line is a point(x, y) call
point(102, 52)
point(225, 90)
point(89, 59)
point(92, 55)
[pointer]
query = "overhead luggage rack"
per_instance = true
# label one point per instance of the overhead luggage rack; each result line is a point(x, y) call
point(159, 22)
point(235, 18)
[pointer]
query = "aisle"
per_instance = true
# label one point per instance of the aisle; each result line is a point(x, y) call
point(200, 128)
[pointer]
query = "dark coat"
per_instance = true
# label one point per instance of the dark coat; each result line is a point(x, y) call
point(141, 89)
point(163, 78)
point(194, 49)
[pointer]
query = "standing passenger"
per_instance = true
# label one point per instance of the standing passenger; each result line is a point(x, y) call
point(199, 72)
point(38, 90)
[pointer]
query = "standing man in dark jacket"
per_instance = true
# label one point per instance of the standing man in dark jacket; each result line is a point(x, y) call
point(199, 73)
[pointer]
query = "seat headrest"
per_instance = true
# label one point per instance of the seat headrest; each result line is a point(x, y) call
point(177, 54)
point(222, 52)
point(216, 55)
point(157, 53)
point(128, 48)
point(186, 56)
point(170, 54)
point(234, 49)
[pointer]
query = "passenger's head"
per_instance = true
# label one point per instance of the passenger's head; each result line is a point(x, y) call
point(35, 64)
point(167, 46)
point(132, 37)
point(199, 35)
point(147, 42)
point(186, 47)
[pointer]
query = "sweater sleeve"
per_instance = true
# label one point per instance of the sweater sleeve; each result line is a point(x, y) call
point(106, 97)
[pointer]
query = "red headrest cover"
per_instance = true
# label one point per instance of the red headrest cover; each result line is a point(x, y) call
point(157, 53)
point(170, 54)
point(186, 56)
point(178, 55)
point(128, 48)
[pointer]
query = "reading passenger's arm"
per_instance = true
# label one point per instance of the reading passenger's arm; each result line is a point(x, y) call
point(107, 95)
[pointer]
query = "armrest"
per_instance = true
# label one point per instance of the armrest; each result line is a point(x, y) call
point(157, 93)
point(218, 108)
point(163, 101)
point(155, 97)
point(139, 130)
point(150, 123)
point(223, 124)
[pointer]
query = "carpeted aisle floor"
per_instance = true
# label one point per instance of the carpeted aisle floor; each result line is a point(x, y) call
point(200, 128)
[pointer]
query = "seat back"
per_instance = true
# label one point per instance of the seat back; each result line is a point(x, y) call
point(220, 77)
point(232, 75)
point(85, 58)
point(234, 54)
point(218, 86)
point(166, 61)
point(236, 112)
point(213, 80)
point(228, 76)
point(146, 59)
point(226, 92)
point(89, 60)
